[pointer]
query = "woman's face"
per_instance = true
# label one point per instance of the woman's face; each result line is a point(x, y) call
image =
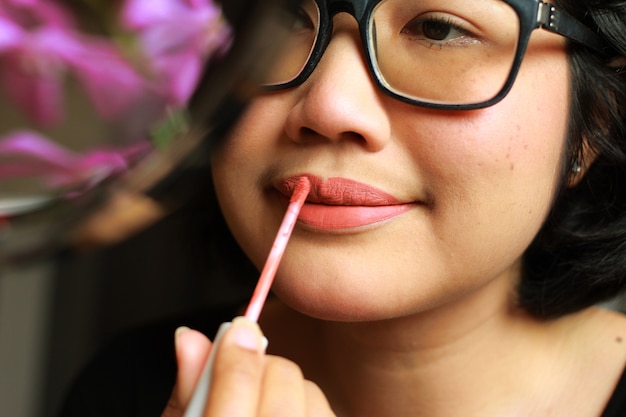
point(458, 196)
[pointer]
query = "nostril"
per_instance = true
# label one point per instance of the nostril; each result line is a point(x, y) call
point(307, 132)
point(309, 135)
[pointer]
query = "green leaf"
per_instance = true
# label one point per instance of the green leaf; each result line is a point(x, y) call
point(175, 123)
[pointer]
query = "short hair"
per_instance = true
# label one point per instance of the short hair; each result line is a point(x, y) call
point(578, 258)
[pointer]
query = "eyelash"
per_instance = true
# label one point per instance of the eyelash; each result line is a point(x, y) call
point(448, 22)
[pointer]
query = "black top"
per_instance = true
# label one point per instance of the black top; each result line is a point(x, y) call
point(135, 375)
point(617, 404)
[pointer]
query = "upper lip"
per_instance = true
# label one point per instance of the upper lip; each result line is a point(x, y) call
point(339, 191)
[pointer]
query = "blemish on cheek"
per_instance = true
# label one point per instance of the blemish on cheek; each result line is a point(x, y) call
point(618, 339)
point(512, 167)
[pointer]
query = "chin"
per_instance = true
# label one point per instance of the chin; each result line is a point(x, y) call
point(345, 303)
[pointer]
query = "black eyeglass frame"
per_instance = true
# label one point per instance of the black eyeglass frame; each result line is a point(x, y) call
point(533, 14)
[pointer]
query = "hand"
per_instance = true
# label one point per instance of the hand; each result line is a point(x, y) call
point(246, 382)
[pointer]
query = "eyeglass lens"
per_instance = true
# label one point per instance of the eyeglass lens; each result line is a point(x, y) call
point(447, 52)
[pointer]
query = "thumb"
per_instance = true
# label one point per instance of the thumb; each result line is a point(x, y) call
point(192, 351)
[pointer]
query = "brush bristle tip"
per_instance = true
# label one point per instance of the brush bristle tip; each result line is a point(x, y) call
point(301, 190)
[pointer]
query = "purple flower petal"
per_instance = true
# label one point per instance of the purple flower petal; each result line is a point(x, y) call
point(137, 14)
point(35, 147)
point(35, 66)
point(110, 82)
point(35, 13)
point(178, 36)
point(38, 93)
point(29, 154)
point(181, 73)
point(10, 34)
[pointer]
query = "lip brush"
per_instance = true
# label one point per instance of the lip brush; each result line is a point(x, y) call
point(278, 248)
point(298, 196)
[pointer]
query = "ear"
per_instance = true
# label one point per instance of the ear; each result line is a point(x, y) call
point(588, 155)
point(579, 168)
point(619, 63)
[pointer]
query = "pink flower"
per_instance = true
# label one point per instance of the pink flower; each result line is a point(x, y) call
point(39, 45)
point(10, 33)
point(26, 154)
point(179, 36)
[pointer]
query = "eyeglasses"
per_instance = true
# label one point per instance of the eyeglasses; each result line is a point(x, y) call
point(445, 54)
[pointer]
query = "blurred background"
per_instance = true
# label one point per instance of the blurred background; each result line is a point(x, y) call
point(136, 261)
point(55, 314)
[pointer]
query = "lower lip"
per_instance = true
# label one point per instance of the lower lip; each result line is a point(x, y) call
point(329, 217)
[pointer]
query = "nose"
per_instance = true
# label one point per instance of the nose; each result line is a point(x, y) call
point(340, 101)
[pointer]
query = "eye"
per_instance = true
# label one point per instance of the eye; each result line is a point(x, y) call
point(437, 31)
point(302, 20)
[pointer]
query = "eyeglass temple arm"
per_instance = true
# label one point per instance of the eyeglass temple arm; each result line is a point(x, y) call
point(554, 20)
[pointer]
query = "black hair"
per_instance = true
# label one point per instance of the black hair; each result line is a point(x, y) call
point(578, 259)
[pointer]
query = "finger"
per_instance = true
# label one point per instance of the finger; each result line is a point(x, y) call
point(283, 392)
point(237, 371)
point(287, 394)
point(317, 404)
point(192, 350)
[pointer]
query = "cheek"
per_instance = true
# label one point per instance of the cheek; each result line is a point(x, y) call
point(239, 166)
point(493, 173)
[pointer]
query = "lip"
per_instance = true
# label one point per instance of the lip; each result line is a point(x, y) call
point(341, 203)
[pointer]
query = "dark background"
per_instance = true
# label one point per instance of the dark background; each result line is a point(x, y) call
point(164, 271)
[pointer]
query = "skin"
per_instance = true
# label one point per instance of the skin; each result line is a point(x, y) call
point(441, 317)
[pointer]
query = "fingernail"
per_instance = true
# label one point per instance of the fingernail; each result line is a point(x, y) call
point(179, 331)
point(246, 334)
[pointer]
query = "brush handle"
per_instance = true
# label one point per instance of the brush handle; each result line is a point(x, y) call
point(197, 404)
point(272, 262)
point(201, 392)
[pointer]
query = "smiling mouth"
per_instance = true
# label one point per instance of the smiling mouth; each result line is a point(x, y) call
point(340, 203)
